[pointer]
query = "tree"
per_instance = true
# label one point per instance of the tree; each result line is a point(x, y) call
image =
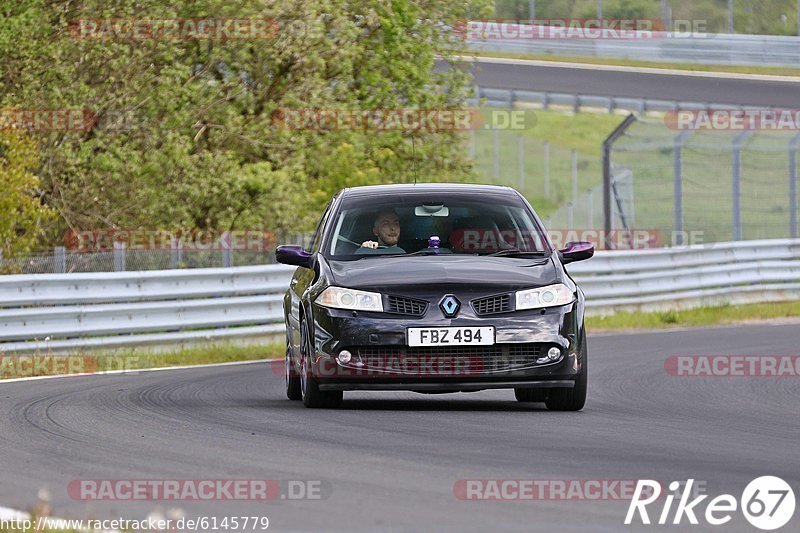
point(21, 211)
point(183, 136)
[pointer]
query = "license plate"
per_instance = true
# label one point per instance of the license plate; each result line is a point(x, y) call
point(451, 336)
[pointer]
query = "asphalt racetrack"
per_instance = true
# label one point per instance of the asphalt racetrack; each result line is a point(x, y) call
point(390, 461)
point(606, 81)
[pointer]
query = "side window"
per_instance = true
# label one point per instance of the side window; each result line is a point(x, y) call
point(317, 237)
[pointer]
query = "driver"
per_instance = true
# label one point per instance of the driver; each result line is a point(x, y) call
point(387, 229)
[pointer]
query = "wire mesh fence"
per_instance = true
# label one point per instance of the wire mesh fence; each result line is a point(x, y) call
point(122, 258)
point(715, 185)
point(678, 186)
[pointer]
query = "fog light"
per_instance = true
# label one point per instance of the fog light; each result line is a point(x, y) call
point(344, 357)
point(553, 354)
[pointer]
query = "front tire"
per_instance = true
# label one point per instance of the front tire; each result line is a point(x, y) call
point(564, 399)
point(530, 395)
point(291, 377)
point(309, 388)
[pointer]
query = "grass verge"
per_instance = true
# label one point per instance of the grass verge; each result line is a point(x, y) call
point(13, 366)
point(700, 317)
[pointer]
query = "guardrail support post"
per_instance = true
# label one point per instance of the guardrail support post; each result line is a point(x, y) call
point(794, 145)
point(119, 256)
point(607, 146)
point(677, 171)
point(736, 185)
point(59, 260)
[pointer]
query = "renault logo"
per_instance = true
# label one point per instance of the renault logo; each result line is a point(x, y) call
point(450, 306)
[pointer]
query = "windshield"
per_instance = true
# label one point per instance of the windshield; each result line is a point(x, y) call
point(426, 225)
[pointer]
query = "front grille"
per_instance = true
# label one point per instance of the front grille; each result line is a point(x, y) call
point(448, 361)
point(407, 306)
point(491, 305)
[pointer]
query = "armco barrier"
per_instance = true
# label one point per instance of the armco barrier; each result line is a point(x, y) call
point(64, 312)
point(68, 312)
point(697, 48)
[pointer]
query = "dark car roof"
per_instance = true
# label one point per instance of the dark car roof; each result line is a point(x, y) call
point(410, 188)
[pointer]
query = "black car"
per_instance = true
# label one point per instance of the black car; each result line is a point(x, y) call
point(434, 288)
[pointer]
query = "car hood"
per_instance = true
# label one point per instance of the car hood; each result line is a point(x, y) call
point(415, 272)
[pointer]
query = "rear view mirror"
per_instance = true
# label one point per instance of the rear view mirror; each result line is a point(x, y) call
point(293, 255)
point(576, 251)
point(432, 210)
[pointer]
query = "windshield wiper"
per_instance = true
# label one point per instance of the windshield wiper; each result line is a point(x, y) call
point(515, 252)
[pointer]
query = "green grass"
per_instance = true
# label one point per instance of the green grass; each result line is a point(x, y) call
point(564, 131)
point(700, 317)
point(135, 359)
point(647, 150)
point(734, 69)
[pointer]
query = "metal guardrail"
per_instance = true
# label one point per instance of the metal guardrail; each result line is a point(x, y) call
point(675, 278)
point(68, 312)
point(510, 97)
point(698, 48)
point(63, 312)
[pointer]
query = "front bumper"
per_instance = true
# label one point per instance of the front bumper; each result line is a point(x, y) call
point(446, 370)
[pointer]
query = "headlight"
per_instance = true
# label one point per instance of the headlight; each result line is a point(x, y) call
point(352, 299)
point(549, 296)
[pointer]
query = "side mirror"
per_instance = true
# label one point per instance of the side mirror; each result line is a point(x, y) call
point(293, 255)
point(576, 251)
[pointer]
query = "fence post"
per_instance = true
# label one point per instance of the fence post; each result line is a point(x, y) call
point(227, 252)
point(521, 162)
point(590, 209)
point(677, 171)
point(175, 252)
point(607, 146)
point(547, 169)
point(794, 145)
point(736, 185)
point(59, 260)
point(119, 256)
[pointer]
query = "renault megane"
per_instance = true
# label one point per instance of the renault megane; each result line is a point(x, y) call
point(434, 288)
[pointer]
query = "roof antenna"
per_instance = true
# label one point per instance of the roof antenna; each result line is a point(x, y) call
point(414, 157)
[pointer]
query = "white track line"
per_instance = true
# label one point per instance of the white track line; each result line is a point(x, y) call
point(136, 371)
point(637, 70)
point(6, 513)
